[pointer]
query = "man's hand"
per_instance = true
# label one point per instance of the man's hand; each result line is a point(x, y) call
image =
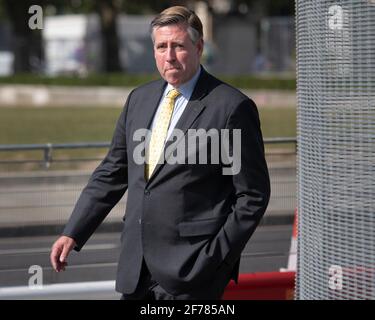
point(60, 251)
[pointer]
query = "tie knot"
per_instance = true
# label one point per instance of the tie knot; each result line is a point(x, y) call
point(173, 94)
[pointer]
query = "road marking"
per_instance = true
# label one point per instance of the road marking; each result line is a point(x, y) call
point(104, 246)
point(58, 289)
point(77, 266)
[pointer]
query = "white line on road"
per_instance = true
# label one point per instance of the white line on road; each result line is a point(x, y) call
point(57, 290)
point(104, 246)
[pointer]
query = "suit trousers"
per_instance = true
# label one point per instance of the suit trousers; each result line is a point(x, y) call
point(149, 289)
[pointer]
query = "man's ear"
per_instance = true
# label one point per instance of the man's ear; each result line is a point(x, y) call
point(200, 45)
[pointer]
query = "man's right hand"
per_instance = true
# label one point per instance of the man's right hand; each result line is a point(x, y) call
point(60, 251)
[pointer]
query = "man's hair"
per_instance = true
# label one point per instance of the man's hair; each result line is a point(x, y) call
point(179, 15)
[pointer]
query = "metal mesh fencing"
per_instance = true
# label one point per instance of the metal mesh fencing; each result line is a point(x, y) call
point(336, 149)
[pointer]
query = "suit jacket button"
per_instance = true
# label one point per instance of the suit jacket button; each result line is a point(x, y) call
point(147, 193)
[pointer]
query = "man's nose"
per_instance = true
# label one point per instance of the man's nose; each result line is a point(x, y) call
point(171, 54)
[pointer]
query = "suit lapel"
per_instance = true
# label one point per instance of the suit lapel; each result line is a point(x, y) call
point(192, 111)
point(150, 104)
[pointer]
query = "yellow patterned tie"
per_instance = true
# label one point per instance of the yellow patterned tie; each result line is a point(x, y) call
point(159, 132)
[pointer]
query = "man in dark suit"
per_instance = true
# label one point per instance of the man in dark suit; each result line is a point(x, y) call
point(186, 221)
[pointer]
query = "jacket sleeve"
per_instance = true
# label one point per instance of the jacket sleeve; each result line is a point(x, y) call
point(105, 188)
point(251, 186)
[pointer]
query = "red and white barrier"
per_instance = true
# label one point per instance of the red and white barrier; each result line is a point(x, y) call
point(292, 261)
point(262, 286)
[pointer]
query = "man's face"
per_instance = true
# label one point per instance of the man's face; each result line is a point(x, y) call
point(177, 58)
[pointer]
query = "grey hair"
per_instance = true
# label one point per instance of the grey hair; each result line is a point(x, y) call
point(179, 15)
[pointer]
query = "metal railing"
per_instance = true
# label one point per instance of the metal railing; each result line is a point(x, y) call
point(48, 149)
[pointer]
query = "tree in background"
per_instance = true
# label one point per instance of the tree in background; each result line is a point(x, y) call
point(269, 7)
point(26, 43)
point(108, 11)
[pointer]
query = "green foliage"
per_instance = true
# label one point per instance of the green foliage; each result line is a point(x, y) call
point(129, 80)
point(2, 11)
point(57, 124)
point(253, 82)
point(278, 122)
point(82, 124)
point(271, 7)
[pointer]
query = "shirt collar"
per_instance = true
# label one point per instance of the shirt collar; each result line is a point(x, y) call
point(186, 89)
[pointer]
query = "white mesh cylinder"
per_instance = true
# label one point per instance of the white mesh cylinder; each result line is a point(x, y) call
point(336, 149)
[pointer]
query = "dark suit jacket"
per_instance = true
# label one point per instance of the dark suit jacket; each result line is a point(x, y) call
point(189, 221)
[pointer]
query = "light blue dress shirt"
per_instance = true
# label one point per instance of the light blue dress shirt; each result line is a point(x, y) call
point(186, 90)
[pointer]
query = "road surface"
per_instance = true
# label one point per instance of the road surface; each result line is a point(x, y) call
point(267, 250)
